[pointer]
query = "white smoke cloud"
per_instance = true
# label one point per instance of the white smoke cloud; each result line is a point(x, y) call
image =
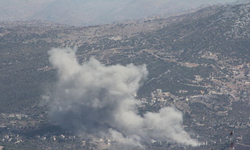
point(97, 99)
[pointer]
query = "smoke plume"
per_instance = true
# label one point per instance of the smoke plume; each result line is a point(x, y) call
point(96, 99)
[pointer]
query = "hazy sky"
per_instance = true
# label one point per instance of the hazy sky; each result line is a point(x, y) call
point(87, 12)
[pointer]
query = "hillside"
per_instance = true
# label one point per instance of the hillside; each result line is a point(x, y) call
point(198, 62)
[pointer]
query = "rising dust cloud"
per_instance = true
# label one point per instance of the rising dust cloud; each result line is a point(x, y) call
point(97, 99)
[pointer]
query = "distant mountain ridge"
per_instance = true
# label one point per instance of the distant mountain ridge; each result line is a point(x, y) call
point(86, 12)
